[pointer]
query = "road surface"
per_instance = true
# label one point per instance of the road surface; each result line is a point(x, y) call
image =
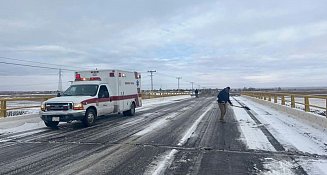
point(184, 137)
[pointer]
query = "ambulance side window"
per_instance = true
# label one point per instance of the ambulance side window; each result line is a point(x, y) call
point(103, 92)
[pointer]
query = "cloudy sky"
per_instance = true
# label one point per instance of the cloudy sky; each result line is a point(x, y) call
point(214, 43)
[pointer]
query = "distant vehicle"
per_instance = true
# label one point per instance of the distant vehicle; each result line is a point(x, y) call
point(94, 93)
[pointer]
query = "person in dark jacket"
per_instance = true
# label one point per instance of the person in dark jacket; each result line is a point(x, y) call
point(196, 93)
point(223, 99)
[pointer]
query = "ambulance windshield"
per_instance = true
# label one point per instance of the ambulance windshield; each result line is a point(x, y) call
point(81, 90)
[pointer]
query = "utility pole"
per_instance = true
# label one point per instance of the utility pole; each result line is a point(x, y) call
point(60, 81)
point(192, 86)
point(151, 75)
point(178, 78)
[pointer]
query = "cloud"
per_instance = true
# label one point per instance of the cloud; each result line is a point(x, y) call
point(262, 78)
point(7, 25)
point(45, 48)
point(214, 43)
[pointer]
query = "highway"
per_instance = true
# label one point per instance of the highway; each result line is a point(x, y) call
point(183, 137)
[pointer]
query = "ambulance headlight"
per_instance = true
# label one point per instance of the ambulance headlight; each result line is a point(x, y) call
point(43, 106)
point(78, 106)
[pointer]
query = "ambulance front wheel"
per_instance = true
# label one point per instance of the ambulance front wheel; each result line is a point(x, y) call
point(130, 112)
point(89, 117)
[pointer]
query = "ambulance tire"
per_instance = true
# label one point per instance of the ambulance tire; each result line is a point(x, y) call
point(51, 124)
point(130, 112)
point(89, 117)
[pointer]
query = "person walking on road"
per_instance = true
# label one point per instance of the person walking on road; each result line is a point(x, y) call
point(196, 93)
point(223, 99)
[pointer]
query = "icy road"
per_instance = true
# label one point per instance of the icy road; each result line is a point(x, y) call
point(179, 135)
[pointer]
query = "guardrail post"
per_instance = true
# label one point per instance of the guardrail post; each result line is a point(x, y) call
point(306, 104)
point(292, 101)
point(264, 97)
point(275, 98)
point(3, 107)
point(269, 97)
point(283, 100)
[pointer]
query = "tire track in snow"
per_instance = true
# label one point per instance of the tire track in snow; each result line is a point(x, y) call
point(167, 158)
point(274, 142)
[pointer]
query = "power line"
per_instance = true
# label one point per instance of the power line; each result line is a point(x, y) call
point(183, 80)
point(10, 58)
point(7, 74)
point(167, 75)
point(39, 84)
point(34, 66)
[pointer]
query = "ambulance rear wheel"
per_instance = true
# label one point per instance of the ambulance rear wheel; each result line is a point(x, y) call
point(89, 117)
point(51, 124)
point(130, 112)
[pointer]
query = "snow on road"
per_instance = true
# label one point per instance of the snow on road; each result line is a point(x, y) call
point(154, 102)
point(159, 165)
point(294, 135)
point(280, 167)
point(157, 124)
point(251, 131)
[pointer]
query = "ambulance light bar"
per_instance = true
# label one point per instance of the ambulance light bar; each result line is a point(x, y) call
point(88, 79)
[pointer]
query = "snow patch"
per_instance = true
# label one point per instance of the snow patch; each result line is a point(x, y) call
point(150, 103)
point(315, 167)
point(157, 124)
point(280, 167)
point(293, 134)
point(159, 166)
point(24, 127)
point(251, 131)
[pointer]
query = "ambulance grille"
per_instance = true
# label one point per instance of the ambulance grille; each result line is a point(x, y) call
point(58, 106)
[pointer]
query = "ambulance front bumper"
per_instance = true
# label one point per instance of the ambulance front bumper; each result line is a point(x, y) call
point(62, 116)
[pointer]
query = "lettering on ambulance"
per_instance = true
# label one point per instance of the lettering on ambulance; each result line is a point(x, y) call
point(129, 83)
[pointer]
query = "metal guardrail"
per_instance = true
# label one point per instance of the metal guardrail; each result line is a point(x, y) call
point(4, 105)
point(4, 108)
point(283, 98)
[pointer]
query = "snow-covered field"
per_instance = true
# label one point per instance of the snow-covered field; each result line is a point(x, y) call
point(312, 101)
point(23, 111)
point(294, 135)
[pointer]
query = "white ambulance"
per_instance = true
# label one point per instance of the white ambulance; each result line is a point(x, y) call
point(94, 93)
